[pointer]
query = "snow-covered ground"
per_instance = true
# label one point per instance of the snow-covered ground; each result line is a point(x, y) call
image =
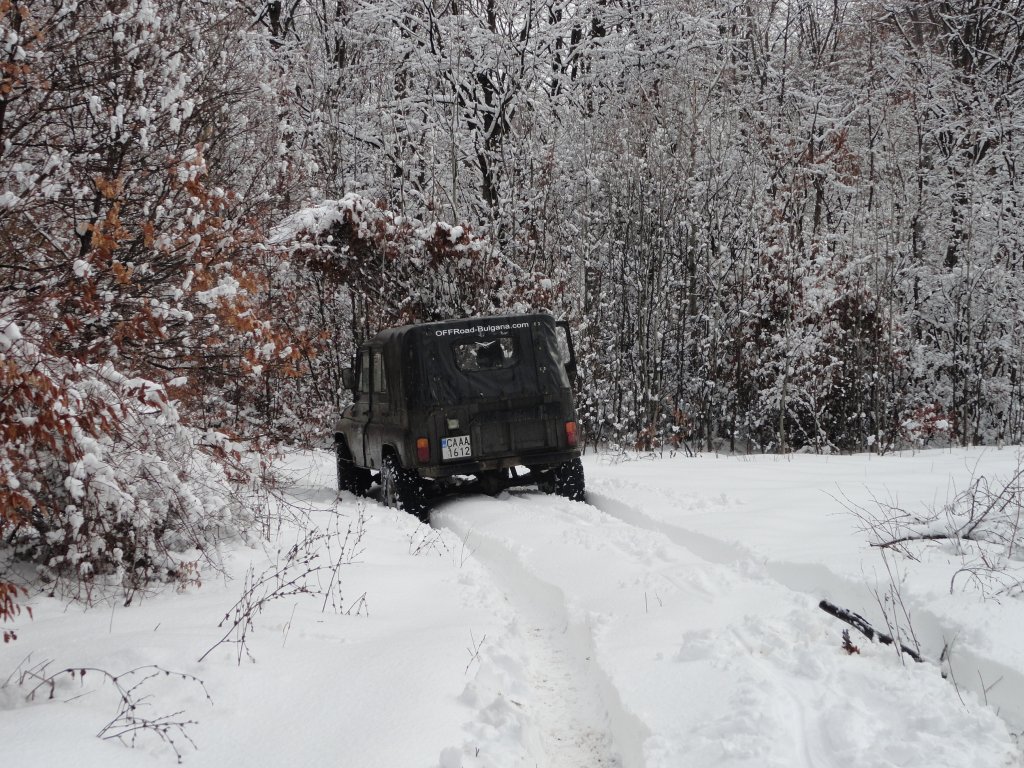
point(671, 622)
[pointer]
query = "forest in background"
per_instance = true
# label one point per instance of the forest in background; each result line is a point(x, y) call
point(773, 225)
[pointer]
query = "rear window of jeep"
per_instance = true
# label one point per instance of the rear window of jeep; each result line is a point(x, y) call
point(491, 355)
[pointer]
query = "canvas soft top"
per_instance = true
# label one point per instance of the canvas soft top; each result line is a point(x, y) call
point(427, 355)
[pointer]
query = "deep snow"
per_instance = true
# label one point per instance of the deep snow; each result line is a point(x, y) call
point(671, 621)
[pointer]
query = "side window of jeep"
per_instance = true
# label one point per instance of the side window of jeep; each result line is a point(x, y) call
point(364, 373)
point(380, 380)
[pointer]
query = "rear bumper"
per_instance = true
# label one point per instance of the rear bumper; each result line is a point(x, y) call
point(538, 459)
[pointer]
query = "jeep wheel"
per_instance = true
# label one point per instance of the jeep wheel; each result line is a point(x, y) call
point(569, 480)
point(402, 489)
point(350, 477)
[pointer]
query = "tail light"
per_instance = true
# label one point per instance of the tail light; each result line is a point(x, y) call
point(423, 450)
point(570, 433)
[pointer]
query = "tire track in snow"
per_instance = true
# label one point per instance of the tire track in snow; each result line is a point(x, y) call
point(807, 578)
point(577, 711)
point(803, 723)
point(971, 670)
point(567, 706)
point(806, 732)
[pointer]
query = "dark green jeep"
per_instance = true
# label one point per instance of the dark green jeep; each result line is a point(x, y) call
point(438, 403)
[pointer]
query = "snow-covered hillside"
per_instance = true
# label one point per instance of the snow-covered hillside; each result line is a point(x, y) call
point(672, 621)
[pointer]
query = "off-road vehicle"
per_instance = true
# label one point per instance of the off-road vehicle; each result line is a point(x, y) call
point(439, 404)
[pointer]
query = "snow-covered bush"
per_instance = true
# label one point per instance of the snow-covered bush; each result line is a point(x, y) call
point(131, 324)
point(102, 481)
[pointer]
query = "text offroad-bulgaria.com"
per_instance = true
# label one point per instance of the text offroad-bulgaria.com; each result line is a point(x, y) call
point(478, 329)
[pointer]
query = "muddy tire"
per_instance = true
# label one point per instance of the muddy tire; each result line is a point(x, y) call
point(403, 489)
point(569, 481)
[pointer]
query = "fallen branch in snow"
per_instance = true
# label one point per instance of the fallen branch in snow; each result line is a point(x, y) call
point(293, 574)
point(424, 539)
point(349, 549)
point(474, 650)
point(299, 570)
point(983, 525)
point(893, 607)
point(861, 624)
point(129, 722)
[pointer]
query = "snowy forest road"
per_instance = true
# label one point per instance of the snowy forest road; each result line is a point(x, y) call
point(652, 639)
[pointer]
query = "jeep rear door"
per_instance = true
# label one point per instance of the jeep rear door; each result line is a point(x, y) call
point(478, 367)
point(504, 388)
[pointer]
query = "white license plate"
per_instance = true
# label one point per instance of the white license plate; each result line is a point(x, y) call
point(456, 447)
